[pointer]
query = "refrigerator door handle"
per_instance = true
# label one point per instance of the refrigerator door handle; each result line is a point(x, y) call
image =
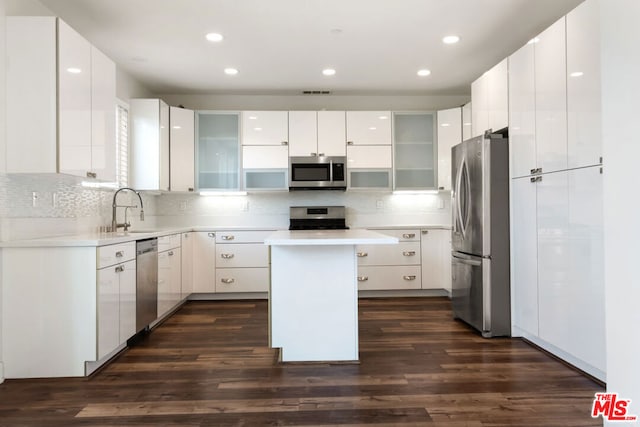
point(467, 260)
point(463, 181)
point(458, 215)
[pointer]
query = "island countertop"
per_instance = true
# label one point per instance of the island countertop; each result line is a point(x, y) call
point(358, 236)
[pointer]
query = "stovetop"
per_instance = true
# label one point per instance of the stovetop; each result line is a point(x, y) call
point(317, 218)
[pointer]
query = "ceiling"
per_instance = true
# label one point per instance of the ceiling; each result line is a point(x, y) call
point(282, 46)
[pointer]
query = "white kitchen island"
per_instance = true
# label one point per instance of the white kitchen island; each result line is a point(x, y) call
point(313, 295)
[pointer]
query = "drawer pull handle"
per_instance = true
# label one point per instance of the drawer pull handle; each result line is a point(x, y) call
point(408, 235)
point(363, 278)
point(349, 142)
point(170, 253)
point(119, 254)
point(226, 256)
point(284, 143)
point(409, 253)
point(120, 269)
point(227, 281)
point(211, 234)
point(409, 277)
point(229, 237)
point(362, 254)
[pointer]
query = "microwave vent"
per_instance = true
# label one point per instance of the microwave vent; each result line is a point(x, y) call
point(316, 92)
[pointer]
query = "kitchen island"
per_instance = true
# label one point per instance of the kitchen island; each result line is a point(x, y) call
point(313, 294)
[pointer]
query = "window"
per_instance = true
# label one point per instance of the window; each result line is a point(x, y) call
point(122, 144)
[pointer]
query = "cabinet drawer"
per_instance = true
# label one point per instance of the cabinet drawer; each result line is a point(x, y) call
point(404, 235)
point(404, 253)
point(115, 254)
point(242, 255)
point(242, 279)
point(257, 236)
point(168, 242)
point(389, 278)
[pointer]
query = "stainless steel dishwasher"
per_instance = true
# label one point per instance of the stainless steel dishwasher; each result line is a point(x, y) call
point(146, 282)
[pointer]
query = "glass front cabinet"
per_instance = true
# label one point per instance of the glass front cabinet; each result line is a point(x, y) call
point(414, 144)
point(218, 150)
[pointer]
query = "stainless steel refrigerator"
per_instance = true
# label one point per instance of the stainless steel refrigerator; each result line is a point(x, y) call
point(480, 291)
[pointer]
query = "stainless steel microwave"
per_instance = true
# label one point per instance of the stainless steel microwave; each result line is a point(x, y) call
point(318, 173)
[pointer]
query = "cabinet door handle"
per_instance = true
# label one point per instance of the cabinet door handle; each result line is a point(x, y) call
point(409, 277)
point(313, 154)
point(363, 278)
point(409, 253)
point(226, 256)
point(349, 142)
point(408, 235)
point(190, 189)
point(229, 237)
point(170, 253)
point(321, 154)
point(186, 235)
point(284, 143)
point(211, 234)
point(536, 178)
point(362, 254)
point(119, 254)
point(425, 231)
point(120, 269)
point(92, 175)
point(227, 281)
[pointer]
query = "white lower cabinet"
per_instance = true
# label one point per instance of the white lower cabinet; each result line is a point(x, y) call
point(169, 274)
point(557, 265)
point(436, 259)
point(116, 296)
point(242, 261)
point(186, 255)
point(386, 277)
point(204, 262)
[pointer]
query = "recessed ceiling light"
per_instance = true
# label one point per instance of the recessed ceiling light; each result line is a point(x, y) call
point(450, 39)
point(577, 74)
point(230, 71)
point(214, 37)
point(534, 40)
point(73, 70)
point(444, 125)
point(424, 72)
point(329, 72)
point(383, 117)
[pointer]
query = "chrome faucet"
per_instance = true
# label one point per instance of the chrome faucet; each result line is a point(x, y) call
point(126, 225)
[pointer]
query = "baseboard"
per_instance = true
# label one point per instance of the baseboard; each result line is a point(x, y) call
point(404, 293)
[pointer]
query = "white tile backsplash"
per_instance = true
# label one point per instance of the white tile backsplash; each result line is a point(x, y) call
point(64, 206)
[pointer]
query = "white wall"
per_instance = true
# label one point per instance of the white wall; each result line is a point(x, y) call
point(621, 137)
point(26, 8)
point(128, 87)
point(3, 99)
point(315, 102)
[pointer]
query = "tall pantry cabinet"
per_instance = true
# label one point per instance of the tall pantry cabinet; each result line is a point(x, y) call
point(556, 191)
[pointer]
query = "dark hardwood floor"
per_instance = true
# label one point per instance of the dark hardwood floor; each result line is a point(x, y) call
point(210, 365)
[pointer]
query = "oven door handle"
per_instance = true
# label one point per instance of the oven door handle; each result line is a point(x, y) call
point(330, 170)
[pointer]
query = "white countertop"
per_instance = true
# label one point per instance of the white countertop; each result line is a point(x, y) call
point(358, 236)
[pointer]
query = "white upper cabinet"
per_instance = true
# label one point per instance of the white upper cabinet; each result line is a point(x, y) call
point(182, 149)
point(583, 86)
point(332, 133)
point(522, 114)
point(368, 128)
point(551, 98)
point(149, 144)
point(489, 95)
point(303, 133)
point(265, 157)
point(103, 116)
point(369, 157)
point(265, 128)
point(74, 101)
point(449, 134)
point(62, 96)
point(466, 121)
point(414, 144)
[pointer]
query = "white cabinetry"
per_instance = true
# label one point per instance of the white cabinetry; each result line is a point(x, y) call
point(583, 86)
point(522, 114)
point(186, 253)
point(368, 128)
point(149, 144)
point(182, 149)
point(390, 267)
point(551, 98)
point(265, 128)
point(489, 95)
point(466, 121)
point(414, 143)
point(218, 150)
point(169, 273)
point(436, 259)
point(242, 261)
point(116, 289)
point(204, 262)
point(265, 152)
point(62, 96)
point(317, 133)
point(449, 134)
point(369, 150)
